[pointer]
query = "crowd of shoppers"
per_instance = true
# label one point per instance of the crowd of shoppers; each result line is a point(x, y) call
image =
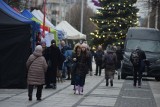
point(74, 65)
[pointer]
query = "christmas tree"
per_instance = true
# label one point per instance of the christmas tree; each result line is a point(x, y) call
point(113, 20)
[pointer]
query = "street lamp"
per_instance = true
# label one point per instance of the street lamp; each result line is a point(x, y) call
point(82, 6)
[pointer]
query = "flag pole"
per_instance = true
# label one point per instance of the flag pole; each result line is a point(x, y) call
point(44, 11)
point(82, 6)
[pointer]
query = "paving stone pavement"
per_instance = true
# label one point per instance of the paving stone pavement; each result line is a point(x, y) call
point(96, 94)
point(135, 97)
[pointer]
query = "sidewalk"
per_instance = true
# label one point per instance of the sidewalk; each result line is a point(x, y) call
point(94, 92)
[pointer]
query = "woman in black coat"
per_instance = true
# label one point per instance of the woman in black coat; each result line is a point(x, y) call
point(81, 60)
point(54, 59)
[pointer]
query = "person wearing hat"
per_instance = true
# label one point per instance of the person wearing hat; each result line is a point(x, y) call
point(37, 66)
point(110, 60)
point(54, 57)
point(137, 58)
point(76, 53)
point(81, 69)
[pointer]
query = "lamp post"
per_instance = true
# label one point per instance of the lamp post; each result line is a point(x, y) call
point(82, 6)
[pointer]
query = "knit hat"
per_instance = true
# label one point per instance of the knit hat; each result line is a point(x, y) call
point(53, 42)
point(84, 45)
point(43, 43)
point(38, 50)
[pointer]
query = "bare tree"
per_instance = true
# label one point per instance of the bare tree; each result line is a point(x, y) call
point(73, 16)
point(153, 18)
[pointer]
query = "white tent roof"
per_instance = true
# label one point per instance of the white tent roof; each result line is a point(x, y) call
point(71, 32)
point(39, 15)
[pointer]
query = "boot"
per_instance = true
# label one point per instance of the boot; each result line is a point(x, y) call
point(74, 87)
point(118, 77)
point(30, 98)
point(54, 86)
point(106, 82)
point(111, 82)
point(76, 90)
point(81, 91)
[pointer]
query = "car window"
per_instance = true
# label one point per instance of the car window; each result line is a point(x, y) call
point(146, 45)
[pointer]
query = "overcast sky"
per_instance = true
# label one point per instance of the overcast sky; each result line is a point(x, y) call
point(141, 4)
point(91, 4)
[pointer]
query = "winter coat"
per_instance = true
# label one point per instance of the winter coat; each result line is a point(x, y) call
point(68, 57)
point(98, 57)
point(54, 57)
point(110, 69)
point(119, 54)
point(37, 67)
point(80, 66)
point(142, 57)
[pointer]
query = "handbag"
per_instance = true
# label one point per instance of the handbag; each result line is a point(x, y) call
point(32, 62)
point(74, 65)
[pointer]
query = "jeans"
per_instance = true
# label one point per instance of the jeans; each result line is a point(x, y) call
point(64, 70)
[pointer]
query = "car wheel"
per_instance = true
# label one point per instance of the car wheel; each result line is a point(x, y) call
point(157, 78)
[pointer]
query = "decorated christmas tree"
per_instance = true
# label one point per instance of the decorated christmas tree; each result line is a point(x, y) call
point(113, 20)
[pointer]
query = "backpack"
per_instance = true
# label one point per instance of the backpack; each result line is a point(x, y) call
point(135, 58)
point(110, 59)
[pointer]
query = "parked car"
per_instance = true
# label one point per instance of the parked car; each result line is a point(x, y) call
point(149, 41)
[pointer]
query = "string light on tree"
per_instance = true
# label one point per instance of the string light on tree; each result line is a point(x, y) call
point(113, 20)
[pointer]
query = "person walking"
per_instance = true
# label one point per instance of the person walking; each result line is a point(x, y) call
point(54, 60)
point(76, 53)
point(68, 61)
point(81, 69)
point(110, 60)
point(65, 69)
point(37, 66)
point(90, 61)
point(119, 54)
point(98, 58)
point(137, 58)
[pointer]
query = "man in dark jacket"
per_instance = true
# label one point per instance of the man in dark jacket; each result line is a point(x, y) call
point(98, 58)
point(54, 56)
point(119, 54)
point(137, 58)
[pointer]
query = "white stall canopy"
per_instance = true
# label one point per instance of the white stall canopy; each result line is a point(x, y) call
point(70, 32)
